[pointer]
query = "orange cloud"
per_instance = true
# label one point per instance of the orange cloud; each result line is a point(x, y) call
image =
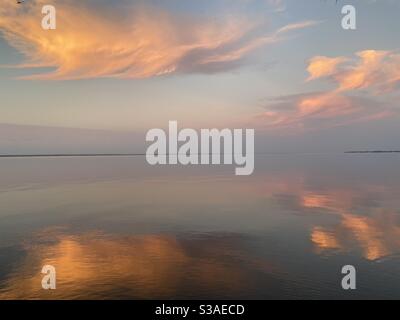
point(137, 41)
point(374, 70)
point(320, 110)
point(321, 66)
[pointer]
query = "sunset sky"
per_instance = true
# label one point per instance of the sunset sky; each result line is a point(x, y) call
point(114, 69)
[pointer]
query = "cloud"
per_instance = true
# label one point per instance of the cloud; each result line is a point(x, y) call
point(321, 66)
point(320, 110)
point(299, 25)
point(135, 41)
point(373, 70)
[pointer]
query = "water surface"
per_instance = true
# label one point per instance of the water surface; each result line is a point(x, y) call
point(116, 228)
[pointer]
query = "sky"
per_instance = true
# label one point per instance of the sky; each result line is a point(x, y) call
point(112, 70)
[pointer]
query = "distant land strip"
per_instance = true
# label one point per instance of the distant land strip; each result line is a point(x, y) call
point(375, 151)
point(49, 155)
point(76, 155)
point(71, 155)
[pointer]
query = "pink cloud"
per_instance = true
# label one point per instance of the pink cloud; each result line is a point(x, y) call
point(374, 70)
point(320, 110)
point(139, 41)
point(373, 73)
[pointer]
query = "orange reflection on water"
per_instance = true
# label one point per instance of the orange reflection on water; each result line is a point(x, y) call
point(323, 239)
point(94, 265)
point(356, 218)
point(377, 235)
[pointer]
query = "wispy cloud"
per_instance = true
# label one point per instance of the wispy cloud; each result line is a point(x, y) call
point(320, 110)
point(299, 25)
point(321, 66)
point(135, 41)
point(372, 73)
point(374, 70)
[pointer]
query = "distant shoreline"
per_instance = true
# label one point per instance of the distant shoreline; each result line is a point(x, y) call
point(71, 155)
point(375, 151)
point(88, 155)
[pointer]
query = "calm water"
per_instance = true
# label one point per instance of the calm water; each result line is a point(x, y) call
point(115, 227)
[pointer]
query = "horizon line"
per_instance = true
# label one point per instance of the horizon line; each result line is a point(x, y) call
point(43, 155)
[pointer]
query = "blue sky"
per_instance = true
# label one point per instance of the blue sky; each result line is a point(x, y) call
point(119, 69)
